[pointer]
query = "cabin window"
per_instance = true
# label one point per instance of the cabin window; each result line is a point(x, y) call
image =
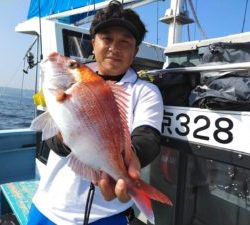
point(205, 191)
point(77, 45)
point(216, 193)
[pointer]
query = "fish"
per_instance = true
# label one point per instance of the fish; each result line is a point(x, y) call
point(90, 114)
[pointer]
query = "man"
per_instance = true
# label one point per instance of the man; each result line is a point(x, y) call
point(62, 194)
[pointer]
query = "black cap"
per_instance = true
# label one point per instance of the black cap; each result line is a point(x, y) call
point(115, 15)
point(117, 22)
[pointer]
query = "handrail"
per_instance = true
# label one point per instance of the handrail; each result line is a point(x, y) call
point(245, 66)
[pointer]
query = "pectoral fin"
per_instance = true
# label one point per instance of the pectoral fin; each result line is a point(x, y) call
point(46, 124)
point(59, 94)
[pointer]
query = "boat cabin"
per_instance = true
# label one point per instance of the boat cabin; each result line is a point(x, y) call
point(73, 41)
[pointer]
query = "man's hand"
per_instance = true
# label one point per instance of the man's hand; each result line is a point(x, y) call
point(112, 189)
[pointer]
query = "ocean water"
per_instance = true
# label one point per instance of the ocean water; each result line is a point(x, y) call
point(16, 108)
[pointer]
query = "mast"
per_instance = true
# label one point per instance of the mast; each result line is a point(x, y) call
point(176, 17)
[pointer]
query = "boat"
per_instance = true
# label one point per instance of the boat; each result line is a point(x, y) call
point(204, 164)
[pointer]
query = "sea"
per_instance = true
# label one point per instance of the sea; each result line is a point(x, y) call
point(16, 108)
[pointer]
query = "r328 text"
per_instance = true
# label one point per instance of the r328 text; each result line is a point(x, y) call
point(180, 124)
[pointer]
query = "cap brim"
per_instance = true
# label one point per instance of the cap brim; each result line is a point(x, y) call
point(120, 23)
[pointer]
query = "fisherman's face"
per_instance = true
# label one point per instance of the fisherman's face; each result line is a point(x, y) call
point(114, 49)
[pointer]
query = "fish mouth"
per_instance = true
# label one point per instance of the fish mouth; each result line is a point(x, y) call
point(51, 57)
point(56, 58)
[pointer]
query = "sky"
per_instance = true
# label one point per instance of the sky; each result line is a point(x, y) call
point(217, 17)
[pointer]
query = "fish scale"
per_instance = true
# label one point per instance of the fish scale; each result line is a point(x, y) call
point(104, 117)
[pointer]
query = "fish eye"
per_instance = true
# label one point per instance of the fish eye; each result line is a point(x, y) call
point(73, 64)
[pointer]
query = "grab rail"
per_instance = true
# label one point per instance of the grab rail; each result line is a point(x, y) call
point(244, 66)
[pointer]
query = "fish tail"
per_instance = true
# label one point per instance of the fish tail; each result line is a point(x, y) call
point(142, 195)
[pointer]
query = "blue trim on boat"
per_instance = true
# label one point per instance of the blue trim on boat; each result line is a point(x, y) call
point(17, 155)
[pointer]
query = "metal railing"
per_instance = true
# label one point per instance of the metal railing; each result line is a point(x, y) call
point(244, 66)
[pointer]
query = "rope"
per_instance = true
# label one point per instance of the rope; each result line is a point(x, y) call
point(244, 19)
point(188, 27)
point(197, 20)
point(40, 30)
point(89, 203)
point(21, 93)
point(157, 23)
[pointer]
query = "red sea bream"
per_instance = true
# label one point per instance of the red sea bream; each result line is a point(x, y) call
point(90, 115)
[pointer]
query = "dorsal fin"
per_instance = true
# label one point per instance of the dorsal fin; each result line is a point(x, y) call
point(121, 98)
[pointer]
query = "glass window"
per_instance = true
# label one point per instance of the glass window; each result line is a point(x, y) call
point(77, 45)
point(216, 193)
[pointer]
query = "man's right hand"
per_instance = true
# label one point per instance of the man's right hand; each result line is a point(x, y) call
point(111, 189)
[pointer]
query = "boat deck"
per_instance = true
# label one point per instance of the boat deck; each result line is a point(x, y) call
point(16, 198)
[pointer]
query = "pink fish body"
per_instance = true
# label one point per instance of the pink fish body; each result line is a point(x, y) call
point(90, 114)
